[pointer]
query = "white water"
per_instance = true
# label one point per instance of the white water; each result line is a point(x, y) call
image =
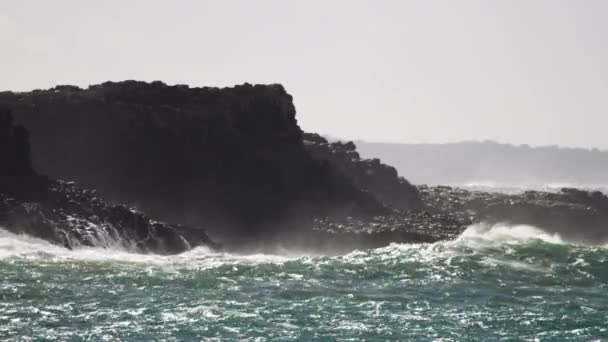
point(478, 236)
point(31, 248)
point(502, 233)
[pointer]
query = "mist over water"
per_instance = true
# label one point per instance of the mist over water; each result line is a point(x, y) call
point(491, 282)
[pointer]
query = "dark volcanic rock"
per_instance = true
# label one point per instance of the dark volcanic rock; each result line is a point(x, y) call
point(16, 168)
point(381, 180)
point(232, 158)
point(69, 216)
point(576, 215)
point(64, 214)
point(235, 161)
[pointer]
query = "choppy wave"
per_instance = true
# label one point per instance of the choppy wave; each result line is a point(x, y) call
point(17, 246)
point(492, 282)
point(476, 236)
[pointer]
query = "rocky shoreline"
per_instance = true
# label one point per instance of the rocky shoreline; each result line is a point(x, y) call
point(233, 161)
point(576, 215)
point(66, 215)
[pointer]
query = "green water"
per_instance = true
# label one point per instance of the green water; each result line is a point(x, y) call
point(507, 283)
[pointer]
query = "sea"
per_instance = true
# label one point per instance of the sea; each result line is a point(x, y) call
point(493, 283)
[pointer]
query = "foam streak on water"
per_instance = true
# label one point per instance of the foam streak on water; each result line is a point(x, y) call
point(491, 283)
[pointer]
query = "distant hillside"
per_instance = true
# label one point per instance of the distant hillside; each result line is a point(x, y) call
point(466, 162)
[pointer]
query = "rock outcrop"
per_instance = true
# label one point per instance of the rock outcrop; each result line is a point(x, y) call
point(64, 214)
point(370, 175)
point(576, 215)
point(233, 159)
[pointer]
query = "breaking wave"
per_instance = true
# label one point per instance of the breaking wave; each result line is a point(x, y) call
point(19, 246)
point(491, 283)
point(478, 237)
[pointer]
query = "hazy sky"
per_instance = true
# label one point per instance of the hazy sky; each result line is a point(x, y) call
point(527, 71)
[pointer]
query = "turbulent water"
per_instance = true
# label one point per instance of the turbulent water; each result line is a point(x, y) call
point(492, 283)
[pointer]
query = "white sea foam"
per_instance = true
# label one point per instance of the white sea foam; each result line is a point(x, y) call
point(28, 247)
point(503, 233)
point(12, 245)
point(477, 237)
point(24, 246)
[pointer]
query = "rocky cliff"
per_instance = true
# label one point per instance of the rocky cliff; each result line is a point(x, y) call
point(16, 169)
point(64, 214)
point(232, 158)
point(235, 161)
point(380, 180)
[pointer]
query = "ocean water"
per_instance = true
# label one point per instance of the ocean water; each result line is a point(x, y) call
point(493, 283)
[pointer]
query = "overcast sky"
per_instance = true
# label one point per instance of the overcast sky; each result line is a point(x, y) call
point(533, 72)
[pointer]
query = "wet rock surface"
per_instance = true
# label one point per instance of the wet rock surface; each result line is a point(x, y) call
point(574, 214)
point(62, 213)
point(397, 227)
